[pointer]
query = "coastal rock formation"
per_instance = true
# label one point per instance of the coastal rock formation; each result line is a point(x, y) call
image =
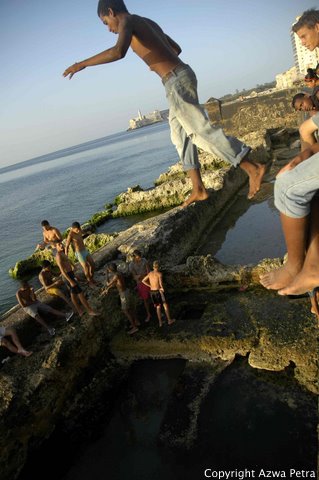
point(221, 312)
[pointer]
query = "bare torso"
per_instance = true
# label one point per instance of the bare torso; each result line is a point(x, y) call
point(120, 282)
point(63, 262)
point(155, 279)
point(26, 297)
point(77, 241)
point(51, 235)
point(46, 278)
point(151, 44)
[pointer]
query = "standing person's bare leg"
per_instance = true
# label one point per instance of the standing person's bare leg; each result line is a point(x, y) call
point(295, 233)
point(86, 305)
point(199, 192)
point(168, 315)
point(308, 278)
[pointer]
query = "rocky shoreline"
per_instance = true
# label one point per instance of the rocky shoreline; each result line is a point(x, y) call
point(61, 383)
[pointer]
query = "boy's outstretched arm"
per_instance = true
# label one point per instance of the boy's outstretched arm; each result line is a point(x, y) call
point(107, 56)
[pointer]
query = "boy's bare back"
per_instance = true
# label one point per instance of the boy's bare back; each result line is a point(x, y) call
point(155, 279)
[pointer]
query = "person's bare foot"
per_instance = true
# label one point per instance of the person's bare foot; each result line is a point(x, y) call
point(92, 313)
point(24, 352)
point(147, 319)
point(172, 320)
point(305, 281)
point(198, 196)
point(278, 278)
point(255, 172)
point(133, 330)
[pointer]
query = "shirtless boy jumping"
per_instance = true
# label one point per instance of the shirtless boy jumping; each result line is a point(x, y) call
point(75, 238)
point(188, 122)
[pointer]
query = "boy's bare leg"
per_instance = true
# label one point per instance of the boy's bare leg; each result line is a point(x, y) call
point(295, 232)
point(91, 263)
point(199, 192)
point(60, 294)
point(87, 272)
point(15, 346)
point(255, 172)
point(86, 305)
point(147, 308)
point(168, 315)
point(56, 312)
point(159, 315)
point(308, 278)
point(76, 304)
point(41, 321)
point(132, 321)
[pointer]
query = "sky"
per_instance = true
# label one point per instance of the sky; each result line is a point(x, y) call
point(230, 44)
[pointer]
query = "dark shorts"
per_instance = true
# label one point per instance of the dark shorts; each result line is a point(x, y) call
point(77, 289)
point(157, 297)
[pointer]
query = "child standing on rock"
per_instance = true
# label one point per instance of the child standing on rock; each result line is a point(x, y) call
point(154, 281)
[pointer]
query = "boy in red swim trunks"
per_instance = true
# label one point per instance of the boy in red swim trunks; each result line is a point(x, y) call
point(139, 268)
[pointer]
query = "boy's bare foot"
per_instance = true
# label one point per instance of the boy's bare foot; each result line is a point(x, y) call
point(147, 319)
point(24, 352)
point(278, 278)
point(198, 196)
point(92, 313)
point(255, 172)
point(305, 281)
point(172, 320)
point(133, 330)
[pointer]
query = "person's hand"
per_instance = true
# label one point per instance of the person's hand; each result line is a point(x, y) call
point(70, 71)
point(105, 291)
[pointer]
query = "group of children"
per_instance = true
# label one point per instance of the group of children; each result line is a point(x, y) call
point(295, 188)
point(149, 285)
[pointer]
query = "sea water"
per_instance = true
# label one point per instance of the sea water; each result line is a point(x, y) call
point(71, 185)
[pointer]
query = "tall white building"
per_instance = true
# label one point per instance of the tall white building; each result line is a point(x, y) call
point(303, 57)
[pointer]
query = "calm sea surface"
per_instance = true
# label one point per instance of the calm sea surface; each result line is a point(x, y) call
point(71, 185)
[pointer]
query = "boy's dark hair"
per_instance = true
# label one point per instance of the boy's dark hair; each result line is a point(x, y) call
point(45, 223)
point(118, 6)
point(298, 96)
point(311, 74)
point(308, 19)
point(137, 253)
point(112, 267)
point(46, 264)
point(76, 225)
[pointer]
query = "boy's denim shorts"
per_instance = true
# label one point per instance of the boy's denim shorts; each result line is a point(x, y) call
point(295, 188)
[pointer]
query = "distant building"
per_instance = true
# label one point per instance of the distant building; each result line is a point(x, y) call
point(303, 57)
point(143, 120)
point(286, 79)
